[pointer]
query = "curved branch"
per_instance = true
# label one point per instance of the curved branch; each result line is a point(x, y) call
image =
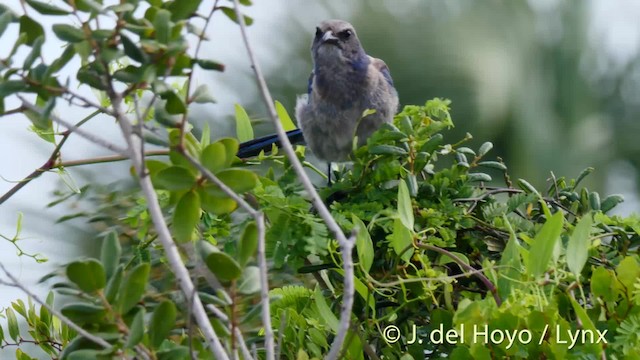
point(64, 319)
point(489, 285)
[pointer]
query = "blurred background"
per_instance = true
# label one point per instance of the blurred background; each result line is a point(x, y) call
point(554, 84)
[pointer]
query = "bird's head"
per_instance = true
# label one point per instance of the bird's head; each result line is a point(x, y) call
point(336, 39)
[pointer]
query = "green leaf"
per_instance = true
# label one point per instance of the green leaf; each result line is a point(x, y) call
point(511, 264)
point(402, 240)
point(46, 9)
point(210, 65)
point(162, 321)
point(581, 177)
point(223, 266)
point(485, 148)
point(136, 330)
point(584, 318)
point(231, 14)
point(110, 253)
point(186, 216)
point(183, 9)
point(603, 284)
point(89, 275)
point(214, 157)
point(628, 272)
point(231, 146)
point(527, 187)
point(5, 19)
point(175, 104)
point(387, 150)
point(133, 287)
point(284, 117)
point(248, 243)
point(10, 87)
point(493, 165)
point(83, 313)
point(244, 130)
point(68, 33)
point(132, 50)
point(113, 285)
point(432, 144)
point(68, 54)
point(202, 95)
point(162, 25)
point(543, 245)
point(326, 315)
point(445, 259)
point(405, 207)
point(12, 324)
point(31, 28)
point(364, 245)
point(177, 352)
point(91, 78)
point(175, 178)
point(578, 245)
point(250, 281)
point(34, 54)
point(83, 354)
point(610, 202)
point(239, 180)
point(218, 205)
point(474, 177)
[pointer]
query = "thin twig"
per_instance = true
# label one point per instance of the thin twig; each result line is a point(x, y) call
point(345, 244)
point(64, 319)
point(51, 162)
point(73, 128)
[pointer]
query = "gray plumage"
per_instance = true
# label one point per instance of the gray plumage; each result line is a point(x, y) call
point(344, 83)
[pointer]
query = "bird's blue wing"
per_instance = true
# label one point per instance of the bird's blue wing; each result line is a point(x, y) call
point(254, 147)
point(310, 84)
point(384, 70)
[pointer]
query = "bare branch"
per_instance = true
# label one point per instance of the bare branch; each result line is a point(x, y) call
point(347, 299)
point(345, 245)
point(49, 164)
point(64, 319)
point(164, 235)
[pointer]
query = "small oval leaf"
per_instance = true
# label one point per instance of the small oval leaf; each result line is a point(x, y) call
point(186, 216)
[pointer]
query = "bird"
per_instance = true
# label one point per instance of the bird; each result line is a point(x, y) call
point(344, 83)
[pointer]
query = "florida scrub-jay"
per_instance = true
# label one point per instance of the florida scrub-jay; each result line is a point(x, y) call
point(345, 82)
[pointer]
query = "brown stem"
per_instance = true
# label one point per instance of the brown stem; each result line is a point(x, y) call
point(489, 285)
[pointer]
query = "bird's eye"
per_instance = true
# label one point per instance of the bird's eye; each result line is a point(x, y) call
point(345, 34)
point(318, 32)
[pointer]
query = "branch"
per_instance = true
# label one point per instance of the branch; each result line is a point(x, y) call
point(64, 319)
point(73, 128)
point(345, 245)
point(164, 235)
point(347, 299)
point(489, 285)
point(262, 259)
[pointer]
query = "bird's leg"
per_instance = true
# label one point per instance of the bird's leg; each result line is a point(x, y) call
point(329, 173)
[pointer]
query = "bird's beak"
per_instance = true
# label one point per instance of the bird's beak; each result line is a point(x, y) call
point(328, 37)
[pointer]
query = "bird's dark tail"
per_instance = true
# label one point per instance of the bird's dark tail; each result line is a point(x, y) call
point(254, 147)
